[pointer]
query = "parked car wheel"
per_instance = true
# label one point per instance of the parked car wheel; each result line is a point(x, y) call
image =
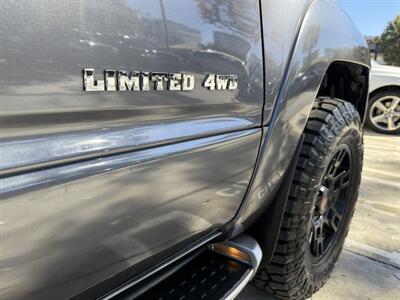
point(384, 112)
point(321, 202)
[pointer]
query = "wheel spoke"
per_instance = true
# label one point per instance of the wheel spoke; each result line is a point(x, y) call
point(336, 162)
point(395, 102)
point(381, 106)
point(320, 247)
point(334, 196)
point(331, 169)
point(317, 238)
point(341, 156)
point(378, 118)
point(390, 123)
point(343, 178)
point(332, 166)
point(334, 218)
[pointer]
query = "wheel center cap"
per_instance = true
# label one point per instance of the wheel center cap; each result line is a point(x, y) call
point(324, 199)
point(390, 113)
point(324, 202)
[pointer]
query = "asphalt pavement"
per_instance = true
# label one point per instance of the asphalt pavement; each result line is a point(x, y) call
point(369, 266)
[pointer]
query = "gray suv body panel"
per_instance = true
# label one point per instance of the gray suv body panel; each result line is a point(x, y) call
point(67, 228)
point(316, 46)
point(95, 183)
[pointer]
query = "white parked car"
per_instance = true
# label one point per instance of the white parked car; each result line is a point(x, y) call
point(384, 102)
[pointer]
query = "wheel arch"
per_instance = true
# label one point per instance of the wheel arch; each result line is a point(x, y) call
point(348, 81)
point(384, 88)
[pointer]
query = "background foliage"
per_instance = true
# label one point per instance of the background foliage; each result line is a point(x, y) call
point(390, 43)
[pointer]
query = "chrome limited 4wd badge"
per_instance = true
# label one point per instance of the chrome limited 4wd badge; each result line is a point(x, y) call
point(120, 80)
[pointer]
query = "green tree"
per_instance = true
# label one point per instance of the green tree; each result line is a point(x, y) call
point(390, 43)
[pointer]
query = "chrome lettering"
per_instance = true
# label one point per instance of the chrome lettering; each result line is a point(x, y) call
point(89, 83)
point(174, 83)
point(187, 82)
point(145, 81)
point(119, 80)
point(159, 79)
point(109, 78)
point(130, 83)
point(233, 82)
point(221, 82)
point(210, 82)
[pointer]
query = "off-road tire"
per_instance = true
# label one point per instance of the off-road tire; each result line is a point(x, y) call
point(292, 273)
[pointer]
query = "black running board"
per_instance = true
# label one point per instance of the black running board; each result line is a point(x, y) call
point(217, 271)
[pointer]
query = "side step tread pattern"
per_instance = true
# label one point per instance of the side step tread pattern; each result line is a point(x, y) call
point(207, 276)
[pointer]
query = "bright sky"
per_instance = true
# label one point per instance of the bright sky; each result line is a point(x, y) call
point(371, 16)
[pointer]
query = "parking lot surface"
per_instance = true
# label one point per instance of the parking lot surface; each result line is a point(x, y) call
point(369, 266)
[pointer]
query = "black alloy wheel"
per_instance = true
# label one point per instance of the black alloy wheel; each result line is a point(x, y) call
point(330, 204)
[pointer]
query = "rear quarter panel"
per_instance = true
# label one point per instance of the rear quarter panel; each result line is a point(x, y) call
point(322, 34)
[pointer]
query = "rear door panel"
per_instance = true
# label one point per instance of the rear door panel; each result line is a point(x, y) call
point(93, 183)
point(45, 46)
point(67, 228)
